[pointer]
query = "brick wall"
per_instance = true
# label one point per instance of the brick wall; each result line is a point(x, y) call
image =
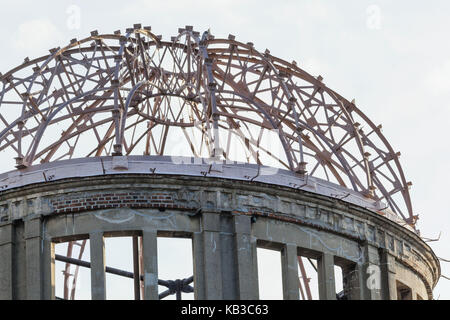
point(102, 200)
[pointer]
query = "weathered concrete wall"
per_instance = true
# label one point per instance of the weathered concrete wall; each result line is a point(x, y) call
point(235, 219)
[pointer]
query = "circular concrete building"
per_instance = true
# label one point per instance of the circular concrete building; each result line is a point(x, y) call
point(204, 139)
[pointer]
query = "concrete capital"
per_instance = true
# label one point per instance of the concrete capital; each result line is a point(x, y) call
point(6, 234)
point(242, 224)
point(211, 222)
point(33, 228)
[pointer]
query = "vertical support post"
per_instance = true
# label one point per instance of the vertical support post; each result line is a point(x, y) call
point(212, 256)
point(98, 280)
point(289, 272)
point(254, 248)
point(372, 282)
point(199, 268)
point(388, 283)
point(136, 271)
point(33, 253)
point(353, 281)
point(48, 267)
point(150, 257)
point(247, 278)
point(325, 269)
point(6, 258)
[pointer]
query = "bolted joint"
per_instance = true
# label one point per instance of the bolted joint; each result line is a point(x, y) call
point(54, 50)
point(115, 83)
point(20, 124)
point(208, 61)
point(301, 168)
point(122, 40)
point(20, 163)
point(215, 116)
point(217, 153)
point(115, 113)
point(369, 192)
point(117, 150)
point(412, 220)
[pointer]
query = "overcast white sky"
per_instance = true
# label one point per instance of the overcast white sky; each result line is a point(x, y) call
point(393, 57)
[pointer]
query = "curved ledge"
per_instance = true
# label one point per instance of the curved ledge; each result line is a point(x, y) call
point(200, 167)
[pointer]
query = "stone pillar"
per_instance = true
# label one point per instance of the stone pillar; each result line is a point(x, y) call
point(150, 255)
point(325, 273)
point(212, 262)
point(388, 282)
point(34, 258)
point(353, 281)
point(371, 273)
point(98, 283)
point(245, 255)
point(199, 268)
point(48, 268)
point(289, 273)
point(6, 259)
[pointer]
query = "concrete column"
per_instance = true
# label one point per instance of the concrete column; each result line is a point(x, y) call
point(197, 257)
point(247, 278)
point(34, 259)
point(6, 259)
point(325, 270)
point(254, 247)
point(388, 282)
point(371, 272)
point(48, 267)
point(289, 267)
point(212, 262)
point(150, 255)
point(98, 283)
point(353, 282)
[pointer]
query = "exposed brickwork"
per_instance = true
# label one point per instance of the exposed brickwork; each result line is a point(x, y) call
point(95, 201)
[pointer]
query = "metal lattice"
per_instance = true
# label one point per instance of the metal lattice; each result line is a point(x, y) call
point(117, 94)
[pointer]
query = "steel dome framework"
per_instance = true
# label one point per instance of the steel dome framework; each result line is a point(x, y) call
point(117, 94)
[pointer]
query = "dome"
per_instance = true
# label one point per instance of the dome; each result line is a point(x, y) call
point(198, 96)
